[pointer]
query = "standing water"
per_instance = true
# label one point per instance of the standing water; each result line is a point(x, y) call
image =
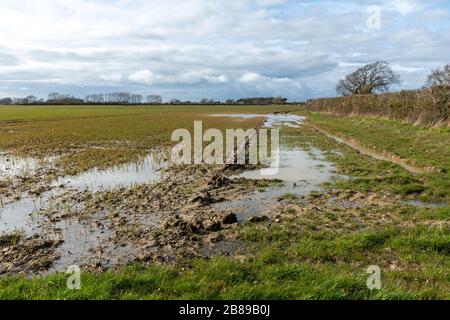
point(300, 171)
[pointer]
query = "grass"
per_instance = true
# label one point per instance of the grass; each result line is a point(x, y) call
point(288, 265)
point(320, 251)
point(427, 147)
point(101, 136)
point(11, 238)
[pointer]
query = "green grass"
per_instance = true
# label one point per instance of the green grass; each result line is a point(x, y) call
point(427, 147)
point(101, 136)
point(288, 265)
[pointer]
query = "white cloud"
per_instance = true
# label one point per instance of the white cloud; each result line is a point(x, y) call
point(114, 77)
point(403, 6)
point(143, 77)
point(251, 77)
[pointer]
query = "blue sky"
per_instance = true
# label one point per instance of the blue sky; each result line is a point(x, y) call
point(190, 49)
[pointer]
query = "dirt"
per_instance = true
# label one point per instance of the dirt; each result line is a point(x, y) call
point(161, 222)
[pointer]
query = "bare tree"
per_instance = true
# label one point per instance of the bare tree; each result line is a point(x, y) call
point(31, 99)
point(54, 96)
point(372, 78)
point(174, 101)
point(439, 77)
point(6, 101)
point(154, 99)
point(136, 99)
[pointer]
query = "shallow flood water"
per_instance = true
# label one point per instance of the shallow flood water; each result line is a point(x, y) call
point(148, 170)
point(271, 120)
point(19, 216)
point(300, 171)
point(24, 214)
point(11, 166)
point(82, 238)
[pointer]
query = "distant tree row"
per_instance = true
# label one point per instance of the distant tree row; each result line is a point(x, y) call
point(247, 101)
point(109, 98)
point(262, 101)
point(55, 98)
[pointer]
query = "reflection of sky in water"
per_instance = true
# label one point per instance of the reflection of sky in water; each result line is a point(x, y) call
point(11, 166)
point(147, 170)
point(301, 173)
point(18, 215)
point(272, 120)
point(296, 165)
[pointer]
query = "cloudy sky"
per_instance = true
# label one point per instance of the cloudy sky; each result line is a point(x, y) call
point(190, 49)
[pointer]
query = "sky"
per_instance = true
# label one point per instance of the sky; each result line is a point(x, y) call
point(219, 49)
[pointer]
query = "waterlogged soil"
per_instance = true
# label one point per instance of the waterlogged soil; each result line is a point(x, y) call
point(152, 211)
point(147, 211)
point(299, 174)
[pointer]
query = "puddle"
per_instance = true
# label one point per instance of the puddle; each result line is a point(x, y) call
point(301, 172)
point(90, 241)
point(296, 165)
point(19, 216)
point(82, 236)
point(288, 120)
point(239, 115)
point(11, 166)
point(272, 120)
point(148, 170)
point(421, 204)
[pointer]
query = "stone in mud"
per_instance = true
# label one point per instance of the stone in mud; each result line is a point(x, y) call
point(229, 218)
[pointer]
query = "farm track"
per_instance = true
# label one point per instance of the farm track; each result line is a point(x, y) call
point(372, 152)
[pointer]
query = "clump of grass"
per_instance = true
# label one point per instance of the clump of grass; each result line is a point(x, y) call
point(12, 238)
point(289, 197)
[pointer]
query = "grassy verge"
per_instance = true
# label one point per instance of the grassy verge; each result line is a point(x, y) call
point(427, 147)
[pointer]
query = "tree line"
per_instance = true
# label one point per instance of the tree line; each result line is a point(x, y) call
point(127, 98)
point(108, 98)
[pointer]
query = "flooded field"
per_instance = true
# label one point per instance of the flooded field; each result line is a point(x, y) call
point(50, 215)
point(152, 211)
point(299, 174)
point(84, 230)
point(147, 170)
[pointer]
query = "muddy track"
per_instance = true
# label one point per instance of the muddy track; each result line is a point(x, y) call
point(371, 152)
